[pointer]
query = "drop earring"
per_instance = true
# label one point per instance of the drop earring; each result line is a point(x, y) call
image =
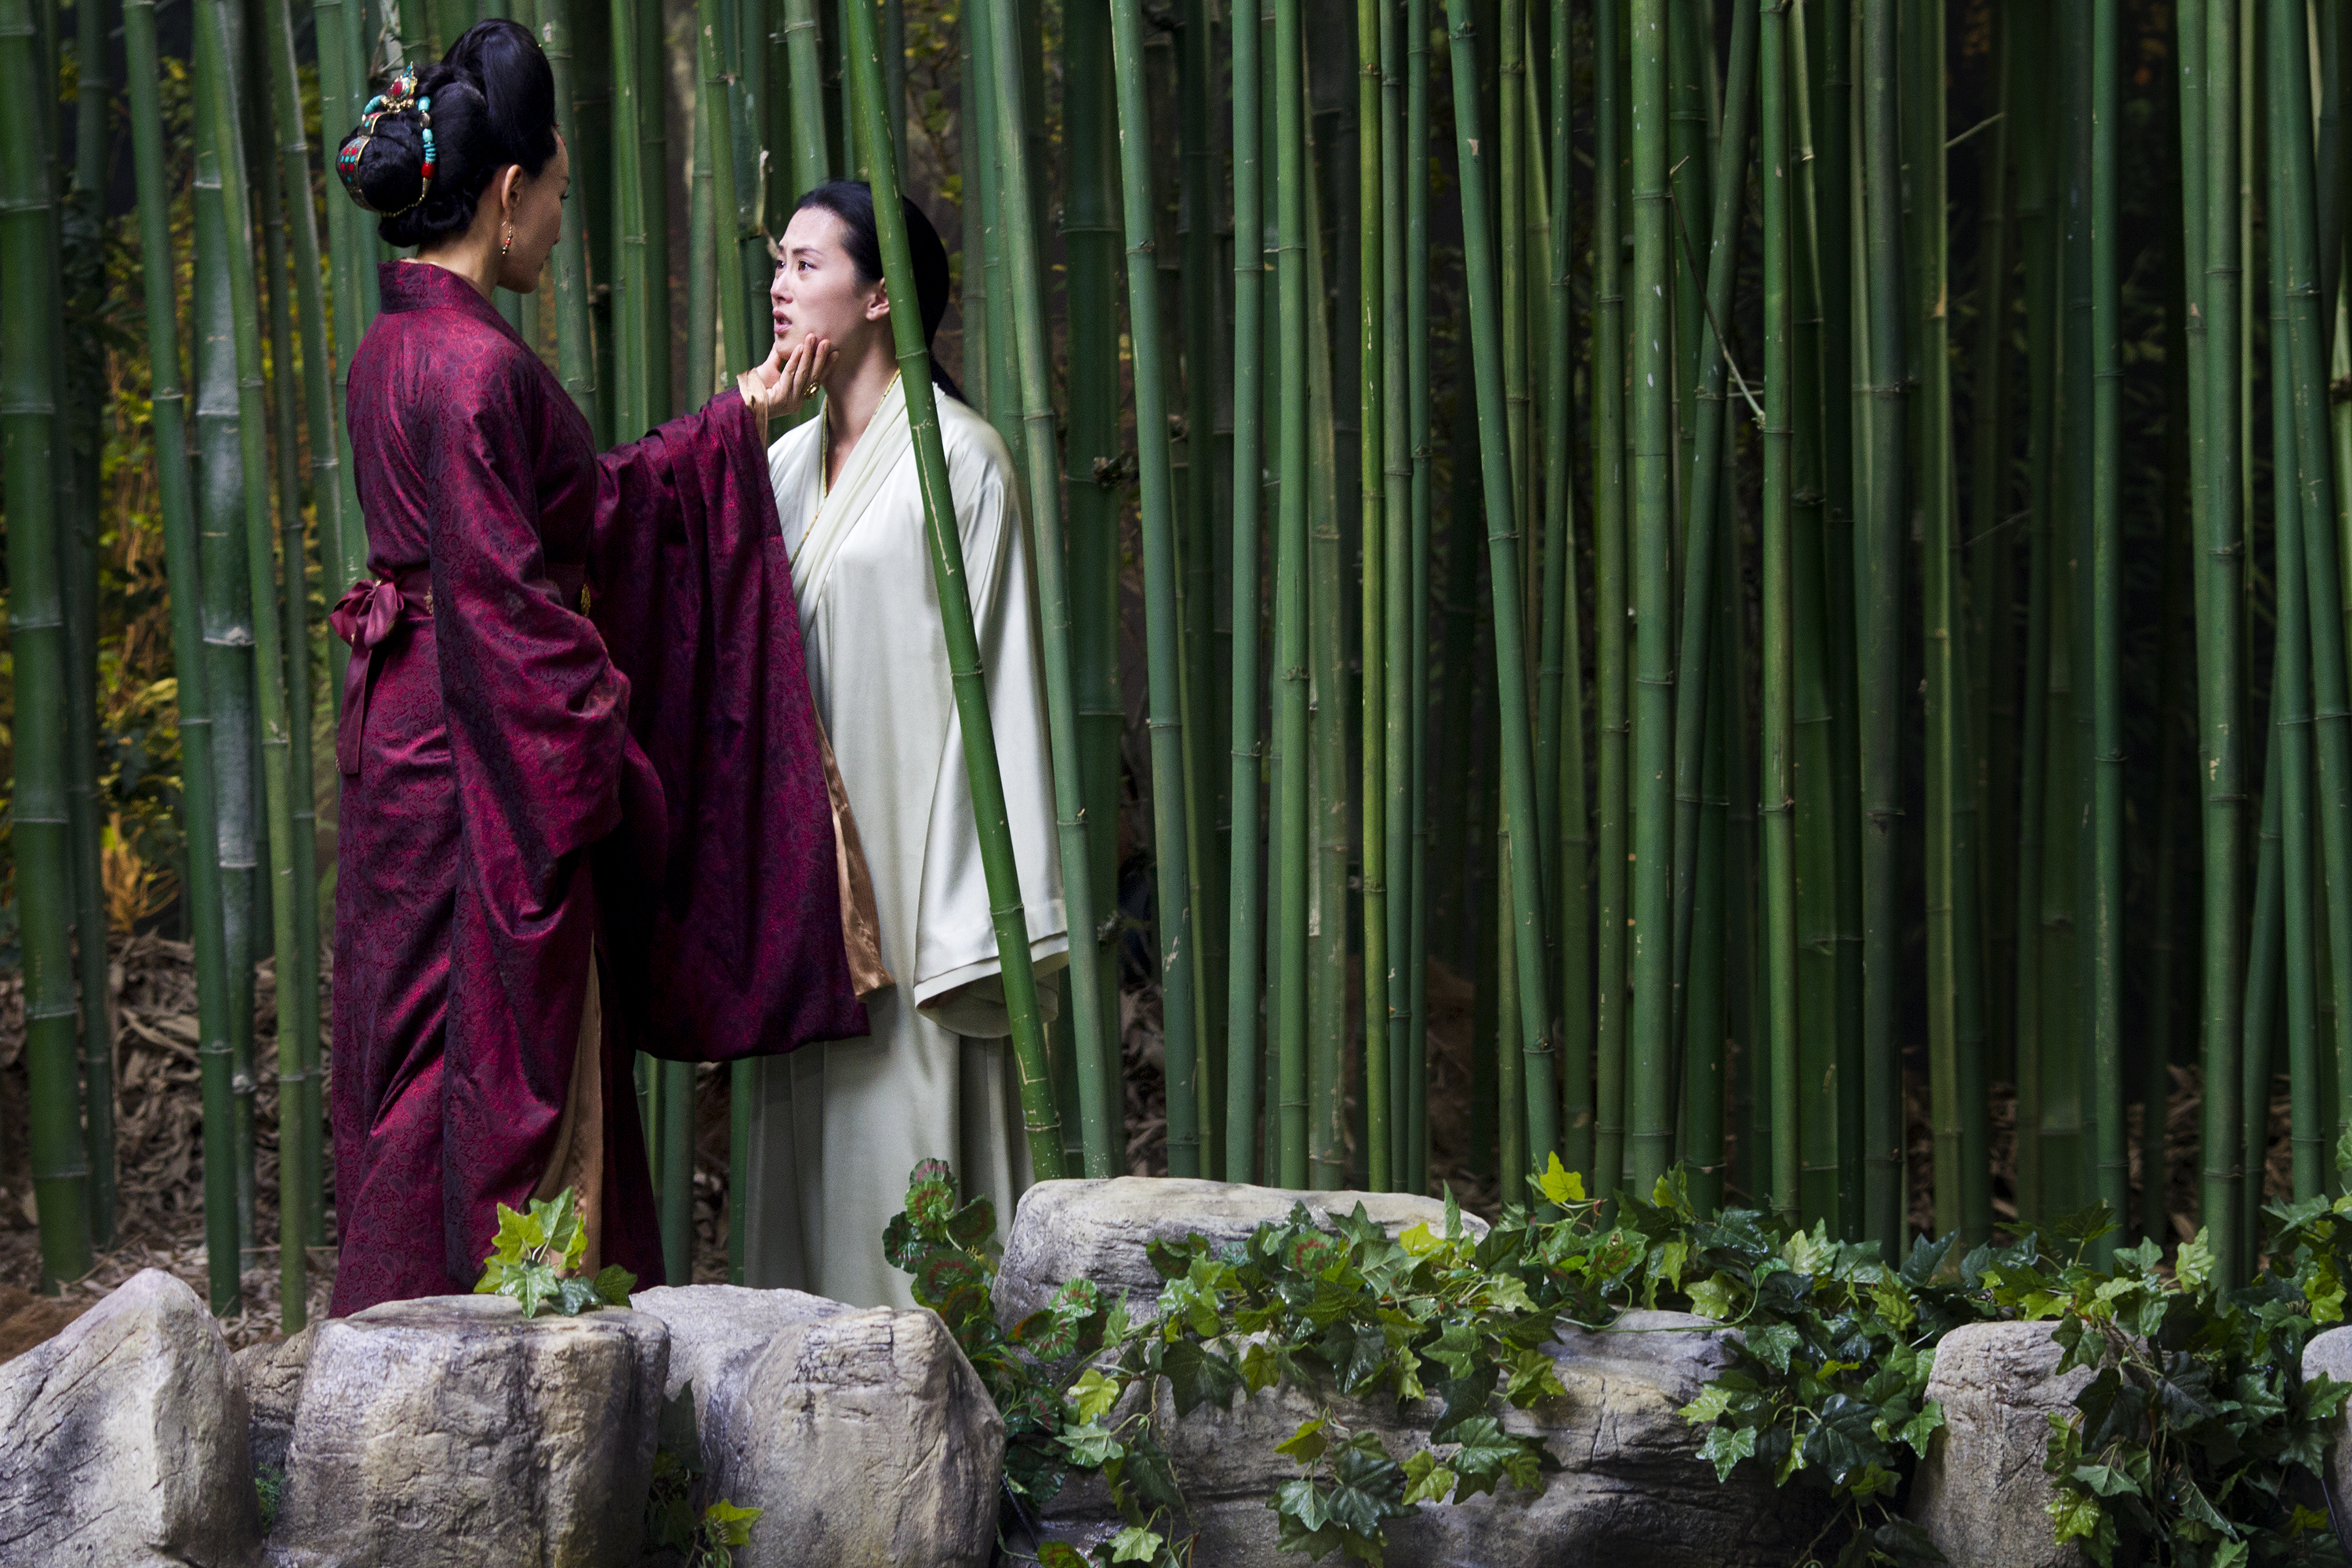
point(507, 243)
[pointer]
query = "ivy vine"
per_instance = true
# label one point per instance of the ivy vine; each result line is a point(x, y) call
point(2196, 1442)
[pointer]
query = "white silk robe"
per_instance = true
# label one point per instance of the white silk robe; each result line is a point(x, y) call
point(837, 1127)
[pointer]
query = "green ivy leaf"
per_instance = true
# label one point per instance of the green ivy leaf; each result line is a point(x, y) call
point(1560, 1185)
point(614, 1284)
point(1427, 1479)
point(1305, 1445)
point(1725, 1447)
point(1198, 1376)
point(1136, 1544)
point(1712, 1401)
point(1713, 1297)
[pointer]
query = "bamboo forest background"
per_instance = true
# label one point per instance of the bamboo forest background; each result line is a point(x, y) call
point(1685, 560)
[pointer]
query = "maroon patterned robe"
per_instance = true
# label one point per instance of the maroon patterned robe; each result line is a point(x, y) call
point(515, 779)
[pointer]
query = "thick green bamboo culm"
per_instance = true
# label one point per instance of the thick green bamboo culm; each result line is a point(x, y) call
point(1702, 483)
point(336, 506)
point(1610, 607)
point(1287, 1157)
point(79, 472)
point(1091, 243)
point(176, 502)
point(1378, 976)
point(2288, 784)
point(214, 56)
point(1023, 277)
point(225, 476)
point(1779, 784)
point(1878, 537)
point(1244, 1037)
point(1171, 847)
point(1539, 1083)
point(31, 325)
point(1418, 427)
point(574, 349)
point(633, 280)
point(1649, 1109)
point(873, 121)
point(2220, 702)
point(2293, 238)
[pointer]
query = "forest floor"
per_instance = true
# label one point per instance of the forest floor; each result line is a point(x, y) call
point(160, 1194)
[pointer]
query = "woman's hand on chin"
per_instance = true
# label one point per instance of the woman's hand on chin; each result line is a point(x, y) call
point(783, 382)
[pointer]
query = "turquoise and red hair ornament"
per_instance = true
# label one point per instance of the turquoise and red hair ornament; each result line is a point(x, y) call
point(398, 97)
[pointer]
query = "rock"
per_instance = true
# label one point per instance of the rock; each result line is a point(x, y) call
point(124, 1441)
point(451, 1432)
point(2330, 1354)
point(1980, 1494)
point(865, 1436)
point(271, 1374)
point(1632, 1488)
point(1098, 1229)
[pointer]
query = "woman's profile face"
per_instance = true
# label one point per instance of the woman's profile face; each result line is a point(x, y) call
point(538, 219)
point(815, 292)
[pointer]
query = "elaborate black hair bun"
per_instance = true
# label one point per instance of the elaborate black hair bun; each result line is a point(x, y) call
point(492, 102)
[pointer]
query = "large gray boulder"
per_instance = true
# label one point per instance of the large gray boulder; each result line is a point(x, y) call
point(1632, 1488)
point(2330, 1355)
point(122, 1441)
point(270, 1373)
point(1098, 1229)
point(453, 1433)
point(864, 1436)
point(1980, 1494)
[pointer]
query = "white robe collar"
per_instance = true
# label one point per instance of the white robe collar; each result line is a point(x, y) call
point(874, 462)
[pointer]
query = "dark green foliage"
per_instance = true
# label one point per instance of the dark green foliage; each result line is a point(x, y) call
point(2197, 1442)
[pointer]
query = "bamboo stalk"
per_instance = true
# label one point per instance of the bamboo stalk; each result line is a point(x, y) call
point(1170, 841)
point(1879, 542)
point(2290, 711)
point(1943, 632)
point(1561, 713)
point(2037, 238)
point(1526, 882)
point(2106, 569)
point(1327, 1027)
point(1418, 424)
point(1649, 1111)
point(1024, 275)
point(1291, 860)
point(972, 715)
point(633, 258)
point(2295, 241)
point(1703, 480)
point(1372, 300)
point(1610, 907)
point(336, 507)
point(1198, 548)
point(2220, 702)
point(77, 475)
point(198, 789)
point(215, 51)
point(30, 326)
point(1244, 1036)
point(228, 620)
point(1779, 782)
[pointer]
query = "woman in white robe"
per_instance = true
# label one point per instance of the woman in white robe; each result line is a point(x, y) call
point(837, 1127)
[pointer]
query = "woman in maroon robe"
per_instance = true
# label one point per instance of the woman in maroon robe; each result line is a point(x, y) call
point(510, 764)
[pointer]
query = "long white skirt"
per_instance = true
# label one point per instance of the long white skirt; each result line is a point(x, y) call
point(835, 1127)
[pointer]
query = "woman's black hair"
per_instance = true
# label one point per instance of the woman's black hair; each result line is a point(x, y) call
point(493, 103)
point(852, 201)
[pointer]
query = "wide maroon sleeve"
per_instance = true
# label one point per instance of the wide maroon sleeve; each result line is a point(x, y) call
point(537, 734)
point(737, 950)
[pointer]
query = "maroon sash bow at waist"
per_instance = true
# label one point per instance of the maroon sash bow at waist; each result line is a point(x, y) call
point(366, 618)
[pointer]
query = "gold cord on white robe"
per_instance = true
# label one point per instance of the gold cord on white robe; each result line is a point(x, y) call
point(837, 1127)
